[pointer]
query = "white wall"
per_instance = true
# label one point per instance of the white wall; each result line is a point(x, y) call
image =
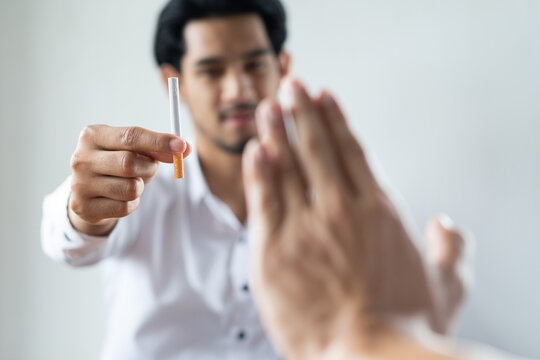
point(445, 93)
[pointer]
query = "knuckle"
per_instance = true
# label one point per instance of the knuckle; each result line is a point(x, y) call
point(76, 162)
point(130, 136)
point(77, 186)
point(159, 143)
point(87, 133)
point(126, 207)
point(151, 174)
point(132, 205)
point(128, 162)
point(132, 189)
point(154, 168)
point(123, 209)
point(77, 206)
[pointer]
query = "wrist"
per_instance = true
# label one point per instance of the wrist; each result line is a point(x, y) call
point(404, 339)
point(351, 333)
point(365, 336)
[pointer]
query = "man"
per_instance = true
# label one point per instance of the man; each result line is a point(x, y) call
point(335, 274)
point(176, 269)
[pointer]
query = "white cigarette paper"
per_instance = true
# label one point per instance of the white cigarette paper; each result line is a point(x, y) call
point(174, 106)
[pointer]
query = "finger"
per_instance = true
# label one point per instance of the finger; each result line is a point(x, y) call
point(340, 160)
point(96, 209)
point(168, 158)
point(114, 188)
point(264, 201)
point(274, 137)
point(448, 255)
point(132, 138)
point(450, 250)
point(445, 243)
point(315, 151)
point(126, 164)
point(352, 157)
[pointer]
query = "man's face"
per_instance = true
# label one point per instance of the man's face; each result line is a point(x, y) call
point(228, 67)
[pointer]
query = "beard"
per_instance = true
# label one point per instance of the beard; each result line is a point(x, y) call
point(235, 149)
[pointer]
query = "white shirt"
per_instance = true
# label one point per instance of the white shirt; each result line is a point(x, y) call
point(175, 272)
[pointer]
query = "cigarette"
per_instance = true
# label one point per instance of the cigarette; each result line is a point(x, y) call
point(174, 106)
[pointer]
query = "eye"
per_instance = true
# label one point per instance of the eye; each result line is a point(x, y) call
point(212, 72)
point(255, 65)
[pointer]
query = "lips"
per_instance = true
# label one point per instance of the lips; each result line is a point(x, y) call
point(240, 118)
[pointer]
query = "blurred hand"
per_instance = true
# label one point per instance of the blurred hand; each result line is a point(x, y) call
point(111, 166)
point(331, 255)
point(449, 264)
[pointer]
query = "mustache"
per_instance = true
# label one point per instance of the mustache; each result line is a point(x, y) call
point(222, 114)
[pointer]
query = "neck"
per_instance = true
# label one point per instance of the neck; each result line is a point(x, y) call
point(223, 173)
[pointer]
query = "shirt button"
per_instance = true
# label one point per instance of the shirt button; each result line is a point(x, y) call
point(245, 288)
point(241, 335)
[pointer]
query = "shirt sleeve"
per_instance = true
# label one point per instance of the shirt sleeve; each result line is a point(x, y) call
point(61, 241)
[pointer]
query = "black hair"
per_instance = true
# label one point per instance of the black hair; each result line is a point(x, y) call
point(169, 44)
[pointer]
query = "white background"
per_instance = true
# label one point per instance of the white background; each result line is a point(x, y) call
point(446, 94)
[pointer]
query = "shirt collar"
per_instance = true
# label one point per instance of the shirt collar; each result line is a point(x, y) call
point(199, 192)
point(197, 182)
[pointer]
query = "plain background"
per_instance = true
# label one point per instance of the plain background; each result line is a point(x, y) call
point(446, 94)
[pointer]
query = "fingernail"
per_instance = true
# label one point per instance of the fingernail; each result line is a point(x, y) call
point(177, 145)
point(249, 147)
point(291, 91)
point(446, 222)
point(327, 100)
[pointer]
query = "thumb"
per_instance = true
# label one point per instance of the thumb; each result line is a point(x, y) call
point(449, 257)
point(445, 243)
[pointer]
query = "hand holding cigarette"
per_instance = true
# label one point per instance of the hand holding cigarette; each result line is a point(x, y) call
point(111, 166)
point(333, 265)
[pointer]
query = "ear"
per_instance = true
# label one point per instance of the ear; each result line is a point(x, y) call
point(167, 71)
point(284, 62)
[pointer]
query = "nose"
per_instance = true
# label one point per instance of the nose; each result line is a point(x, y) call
point(238, 87)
